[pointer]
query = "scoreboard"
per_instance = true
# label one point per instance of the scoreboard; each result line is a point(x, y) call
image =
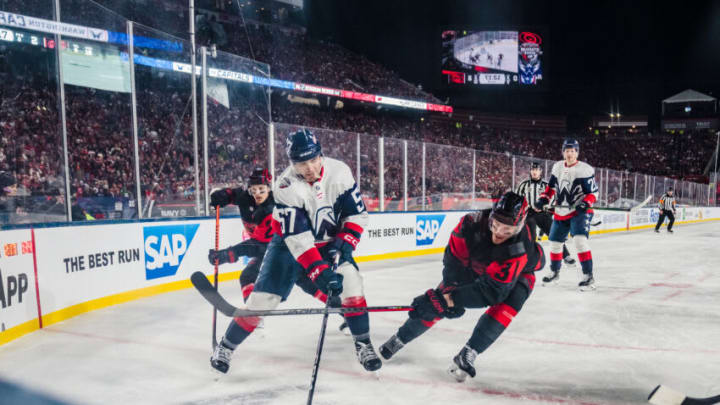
point(493, 58)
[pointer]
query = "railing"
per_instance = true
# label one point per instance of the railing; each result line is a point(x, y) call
point(105, 120)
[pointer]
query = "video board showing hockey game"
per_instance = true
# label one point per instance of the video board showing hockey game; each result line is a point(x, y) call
point(492, 58)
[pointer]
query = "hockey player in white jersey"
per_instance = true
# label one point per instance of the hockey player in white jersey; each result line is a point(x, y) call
point(572, 183)
point(320, 214)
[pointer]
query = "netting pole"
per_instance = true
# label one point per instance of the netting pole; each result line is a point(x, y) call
point(133, 98)
point(473, 175)
point(63, 115)
point(381, 172)
point(193, 90)
point(405, 176)
point(423, 176)
point(206, 162)
point(271, 151)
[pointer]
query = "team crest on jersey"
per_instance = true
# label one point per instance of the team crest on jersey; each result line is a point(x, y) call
point(284, 183)
point(325, 224)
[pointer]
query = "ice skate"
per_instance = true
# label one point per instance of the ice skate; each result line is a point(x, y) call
point(392, 346)
point(220, 359)
point(462, 365)
point(587, 283)
point(552, 278)
point(366, 355)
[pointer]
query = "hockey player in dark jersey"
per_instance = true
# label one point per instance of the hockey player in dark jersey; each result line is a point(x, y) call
point(489, 261)
point(256, 207)
point(532, 188)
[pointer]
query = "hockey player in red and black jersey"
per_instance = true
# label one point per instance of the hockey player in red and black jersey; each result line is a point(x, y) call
point(489, 261)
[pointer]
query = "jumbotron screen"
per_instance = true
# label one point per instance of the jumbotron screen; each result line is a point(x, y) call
point(492, 58)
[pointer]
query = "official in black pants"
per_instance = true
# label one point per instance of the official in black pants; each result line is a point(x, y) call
point(666, 205)
point(669, 215)
point(544, 220)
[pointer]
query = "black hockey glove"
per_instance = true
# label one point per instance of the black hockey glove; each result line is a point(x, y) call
point(541, 203)
point(327, 280)
point(429, 306)
point(582, 207)
point(222, 256)
point(221, 197)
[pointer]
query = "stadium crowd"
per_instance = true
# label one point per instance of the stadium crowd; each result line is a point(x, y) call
point(101, 149)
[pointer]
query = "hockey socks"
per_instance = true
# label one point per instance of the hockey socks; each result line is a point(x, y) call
point(239, 329)
point(586, 262)
point(358, 322)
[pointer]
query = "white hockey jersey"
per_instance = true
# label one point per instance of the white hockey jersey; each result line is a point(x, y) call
point(311, 215)
point(570, 185)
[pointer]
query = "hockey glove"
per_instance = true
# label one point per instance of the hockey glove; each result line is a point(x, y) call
point(221, 197)
point(222, 256)
point(429, 306)
point(541, 203)
point(343, 245)
point(326, 279)
point(582, 207)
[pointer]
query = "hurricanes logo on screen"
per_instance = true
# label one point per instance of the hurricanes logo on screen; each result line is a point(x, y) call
point(165, 248)
point(427, 228)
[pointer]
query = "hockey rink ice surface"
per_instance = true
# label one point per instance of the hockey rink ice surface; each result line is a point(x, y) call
point(654, 319)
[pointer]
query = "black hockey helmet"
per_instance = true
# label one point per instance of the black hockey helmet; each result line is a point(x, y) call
point(509, 211)
point(302, 145)
point(535, 165)
point(260, 176)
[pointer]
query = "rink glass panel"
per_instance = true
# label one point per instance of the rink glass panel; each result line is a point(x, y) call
point(237, 121)
point(415, 176)
point(493, 174)
point(164, 108)
point(614, 185)
point(393, 174)
point(448, 171)
point(31, 161)
point(99, 117)
point(369, 171)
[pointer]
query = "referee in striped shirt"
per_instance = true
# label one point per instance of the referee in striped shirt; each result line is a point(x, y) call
point(531, 189)
point(666, 205)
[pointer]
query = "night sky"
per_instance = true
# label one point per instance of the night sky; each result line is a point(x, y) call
point(598, 53)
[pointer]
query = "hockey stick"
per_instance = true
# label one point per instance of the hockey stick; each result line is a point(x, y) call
point(215, 285)
point(321, 339)
point(663, 395)
point(201, 283)
point(642, 204)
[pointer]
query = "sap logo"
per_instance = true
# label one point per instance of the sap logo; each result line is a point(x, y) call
point(427, 228)
point(14, 286)
point(654, 215)
point(165, 247)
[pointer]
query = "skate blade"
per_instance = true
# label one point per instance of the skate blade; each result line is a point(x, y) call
point(587, 288)
point(456, 373)
point(550, 283)
point(376, 373)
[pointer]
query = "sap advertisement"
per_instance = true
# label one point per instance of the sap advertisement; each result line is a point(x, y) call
point(89, 262)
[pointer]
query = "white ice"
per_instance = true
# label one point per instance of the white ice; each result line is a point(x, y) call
point(508, 48)
point(654, 319)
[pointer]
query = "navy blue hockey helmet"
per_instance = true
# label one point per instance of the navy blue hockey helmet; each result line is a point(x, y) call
point(571, 143)
point(302, 145)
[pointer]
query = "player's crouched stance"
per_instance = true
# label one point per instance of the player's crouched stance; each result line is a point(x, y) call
point(489, 262)
point(320, 216)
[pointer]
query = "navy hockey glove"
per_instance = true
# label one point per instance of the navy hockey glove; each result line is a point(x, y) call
point(541, 203)
point(221, 197)
point(223, 256)
point(429, 306)
point(582, 207)
point(326, 279)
